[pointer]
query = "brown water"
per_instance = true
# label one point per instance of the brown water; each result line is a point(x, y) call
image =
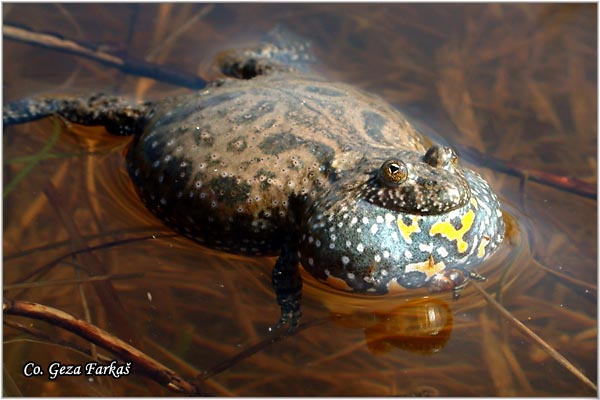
point(517, 82)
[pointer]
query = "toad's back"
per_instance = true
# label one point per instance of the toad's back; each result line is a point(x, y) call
point(223, 166)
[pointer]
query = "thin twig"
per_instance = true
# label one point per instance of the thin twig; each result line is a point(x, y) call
point(140, 361)
point(90, 249)
point(126, 65)
point(250, 351)
point(564, 183)
point(590, 287)
point(63, 243)
point(528, 332)
point(58, 282)
point(180, 30)
point(108, 295)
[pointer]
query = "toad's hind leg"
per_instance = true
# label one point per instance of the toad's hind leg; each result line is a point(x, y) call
point(280, 50)
point(116, 114)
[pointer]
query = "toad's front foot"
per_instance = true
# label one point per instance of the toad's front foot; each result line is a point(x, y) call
point(454, 279)
point(287, 283)
point(290, 314)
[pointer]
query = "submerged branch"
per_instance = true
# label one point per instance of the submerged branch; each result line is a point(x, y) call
point(126, 65)
point(140, 361)
point(564, 183)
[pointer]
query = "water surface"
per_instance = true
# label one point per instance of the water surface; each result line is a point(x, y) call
point(516, 82)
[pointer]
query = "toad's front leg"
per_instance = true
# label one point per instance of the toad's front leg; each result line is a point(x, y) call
point(287, 283)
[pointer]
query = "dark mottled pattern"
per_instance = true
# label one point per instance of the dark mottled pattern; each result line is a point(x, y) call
point(253, 146)
point(324, 91)
point(280, 142)
point(265, 177)
point(229, 190)
point(255, 112)
point(374, 123)
point(177, 116)
point(237, 145)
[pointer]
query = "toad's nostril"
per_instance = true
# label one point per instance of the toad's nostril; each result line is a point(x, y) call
point(440, 156)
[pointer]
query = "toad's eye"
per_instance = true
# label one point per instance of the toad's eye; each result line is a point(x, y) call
point(393, 172)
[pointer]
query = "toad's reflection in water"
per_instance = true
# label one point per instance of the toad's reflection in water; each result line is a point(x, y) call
point(421, 326)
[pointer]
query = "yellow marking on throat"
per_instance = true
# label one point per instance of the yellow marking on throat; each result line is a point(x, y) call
point(481, 249)
point(429, 267)
point(407, 230)
point(474, 203)
point(445, 228)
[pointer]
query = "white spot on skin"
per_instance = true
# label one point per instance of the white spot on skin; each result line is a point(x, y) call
point(427, 248)
point(377, 258)
point(318, 243)
point(374, 229)
point(348, 243)
point(386, 254)
point(365, 220)
point(353, 221)
point(442, 251)
point(311, 261)
point(360, 247)
point(389, 218)
point(379, 219)
point(345, 261)
point(408, 254)
point(350, 275)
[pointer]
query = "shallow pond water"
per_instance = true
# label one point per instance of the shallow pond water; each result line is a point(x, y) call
point(516, 82)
